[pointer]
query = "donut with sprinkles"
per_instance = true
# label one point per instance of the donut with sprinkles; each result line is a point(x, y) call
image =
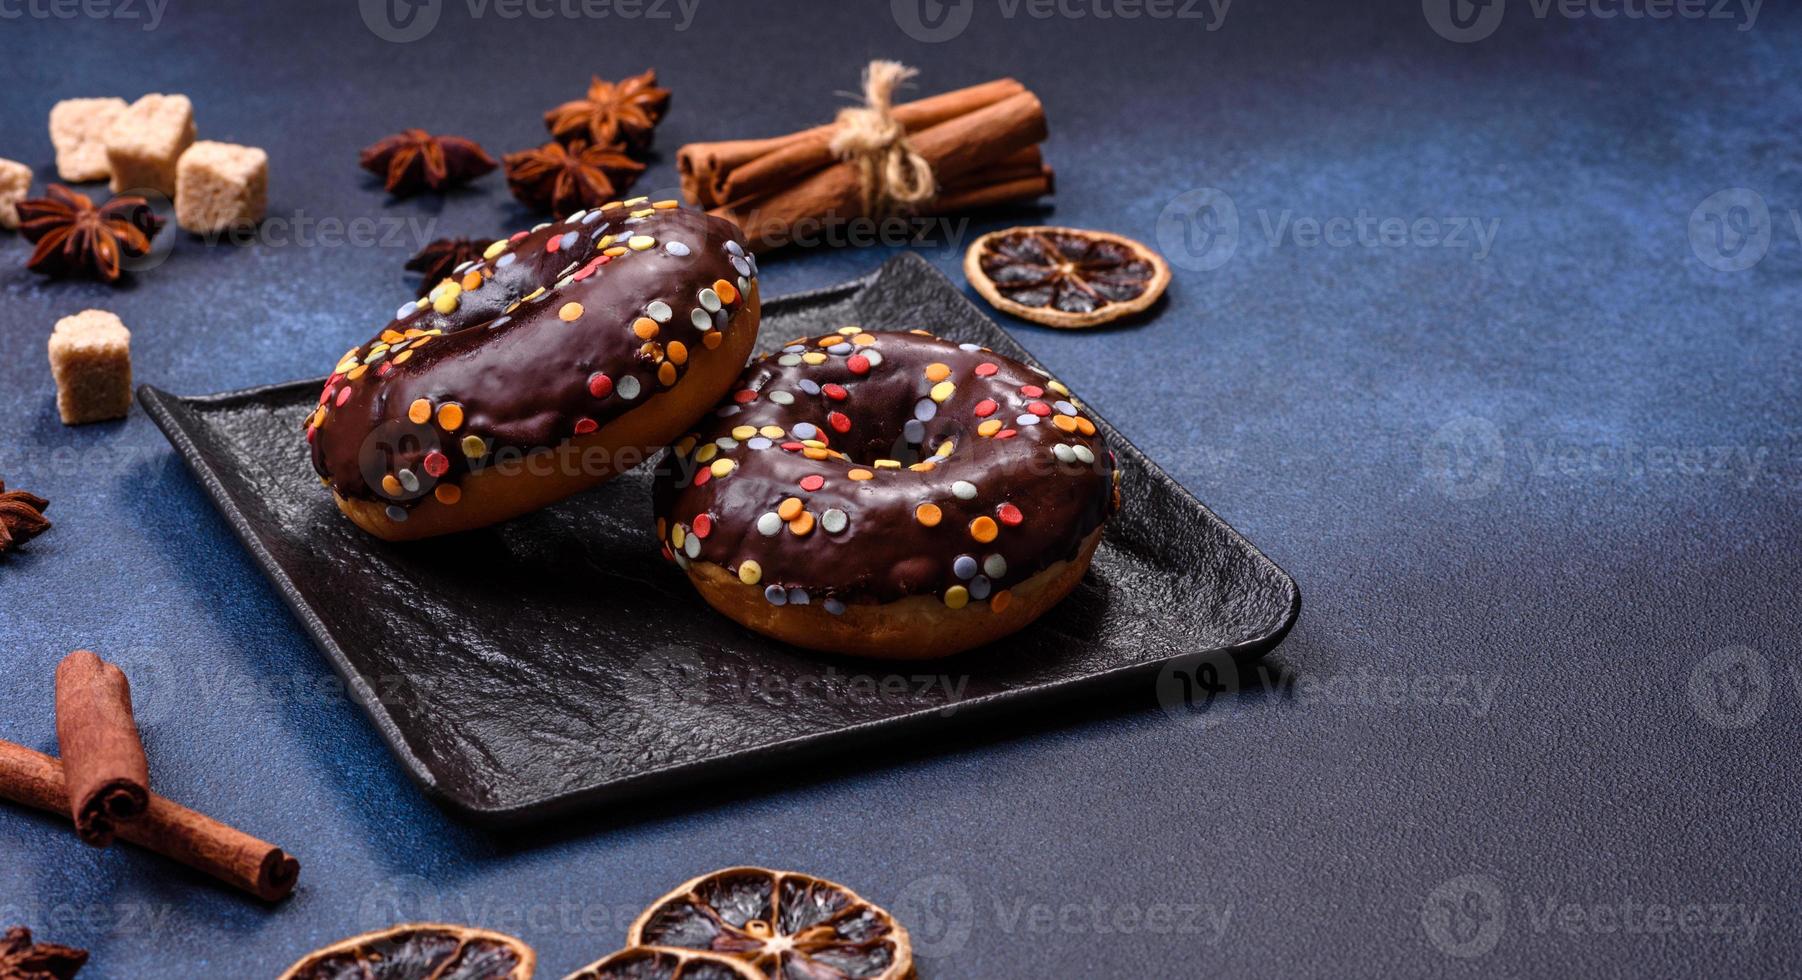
point(565, 355)
point(887, 494)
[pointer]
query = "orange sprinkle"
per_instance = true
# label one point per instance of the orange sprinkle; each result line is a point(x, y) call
point(1085, 426)
point(644, 327)
point(863, 339)
point(358, 372)
point(678, 353)
point(390, 485)
point(420, 411)
point(989, 428)
point(814, 452)
point(570, 312)
point(712, 339)
point(727, 292)
point(403, 357)
point(391, 337)
point(790, 509)
point(938, 372)
point(801, 526)
point(928, 514)
point(999, 601)
point(861, 474)
point(473, 280)
point(450, 416)
point(984, 529)
point(666, 373)
point(448, 494)
point(924, 466)
point(1064, 422)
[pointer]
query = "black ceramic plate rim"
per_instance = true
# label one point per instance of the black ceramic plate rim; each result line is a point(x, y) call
point(163, 407)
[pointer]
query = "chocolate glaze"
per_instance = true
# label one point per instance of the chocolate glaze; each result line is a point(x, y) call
point(522, 378)
point(885, 552)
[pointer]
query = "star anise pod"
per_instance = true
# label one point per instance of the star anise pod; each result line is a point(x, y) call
point(414, 160)
point(437, 259)
point(624, 113)
point(565, 179)
point(22, 959)
point(21, 519)
point(75, 237)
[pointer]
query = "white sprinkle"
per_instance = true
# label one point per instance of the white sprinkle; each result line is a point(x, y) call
point(578, 216)
point(925, 409)
point(709, 300)
point(963, 490)
point(789, 360)
point(873, 357)
point(406, 310)
point(1063, 453)
point(776, 595)
point(659, 311)
point(540, 226)
point(798, 597)
point(407, 480)
point(994, 566)
point(914, 431)
point(839, 349)
point(769, 524)
point(969, 347)
point(626, 387)
point(834, 521)
point(782, 398)
point(676, 248)
point(740, 266)
point(700, 319)
point(726, 443)
point(692, 545)
point(1084, 453)
point(733, 248)
point(759, 443)
point(1027, 419)
point(506, 260)
point(808, 386)
point(1064, 408)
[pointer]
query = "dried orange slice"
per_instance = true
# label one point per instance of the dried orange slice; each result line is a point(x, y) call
point(1065, 277)
point(783, 923)
point(418, 951)
point(658, 963)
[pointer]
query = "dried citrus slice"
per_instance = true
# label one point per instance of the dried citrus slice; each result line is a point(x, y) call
point(1065, 277)
point(659, 963)
point(783, 923)
point(419, 951)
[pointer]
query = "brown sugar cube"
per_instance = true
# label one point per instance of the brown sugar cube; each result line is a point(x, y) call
point(15, 183)
point(90, 356)
point(78, 131)
point(219, 186)
point(145, 141)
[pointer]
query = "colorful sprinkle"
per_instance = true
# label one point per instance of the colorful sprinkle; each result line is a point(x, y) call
point(749, 572)
point(435, 464)
point(420, 411)
point(957, 597)
point(928, 514)
point(983, 529)
point(599, 385)
point(474, 447)
point(963, 490)
point(861, 474)
point(450, 416)
point(1009, 514)
point(448, 494)
point(769, 523)
point(570, 312)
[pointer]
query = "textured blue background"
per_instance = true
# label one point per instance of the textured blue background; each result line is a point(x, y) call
point(1558, 476)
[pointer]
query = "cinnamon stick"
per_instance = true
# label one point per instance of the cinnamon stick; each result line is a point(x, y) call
point(108, 775)
point(166, 827)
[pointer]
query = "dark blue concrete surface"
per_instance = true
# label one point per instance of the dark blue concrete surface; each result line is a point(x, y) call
point(1539, 487)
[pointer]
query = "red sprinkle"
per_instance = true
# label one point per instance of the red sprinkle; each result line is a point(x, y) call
point(744, 396)
point(555, 243)
point(343, 396)
point(1007, 433)
point(436, 464)
point(599, 385)
point(1031, 391)
point(793, 447)
point(585, 425)
point(986, 369)
point(858, 364)
point(1009, 514)
point(702, 475)
point(812, 482)
point(986, 408)
point(702, 526)
point(835, 392)
point(1039, 408)
point(516, 236)
point(839, 421)
point(325, 394)
point(386, 369)
point(312, 433)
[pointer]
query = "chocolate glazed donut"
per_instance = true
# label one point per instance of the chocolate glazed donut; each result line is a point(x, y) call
point(566, 355)
point(887, 494)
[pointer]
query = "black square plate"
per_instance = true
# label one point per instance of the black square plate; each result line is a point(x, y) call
point(557, 661)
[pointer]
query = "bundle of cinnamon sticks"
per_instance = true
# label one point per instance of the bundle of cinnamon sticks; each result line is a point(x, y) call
point(981, 143)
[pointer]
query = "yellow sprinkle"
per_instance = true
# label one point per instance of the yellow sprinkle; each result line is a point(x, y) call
point(814, 357)
point(420, 411)
point(942, 390)
point(610, 205)
point(938, 372)
point(496, 249)
point(644, 212)
point(749, 572)
point(946, 447)
point(742, 432)
point(534, 294)
point(957, 597)
point(989, 428)
point(570, 312)
point(888, 464)
point(707, 452)
point(446, 303)
point(677, 535)
point(633, 202)
point(848, 331)
point(1057, 386)
point(722, 466)
point(771, 431)
point(474, 447)
point(605, 241)
point(639, 243)
point(813, 444)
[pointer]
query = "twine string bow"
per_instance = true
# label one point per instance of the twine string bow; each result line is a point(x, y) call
point(891, 175)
